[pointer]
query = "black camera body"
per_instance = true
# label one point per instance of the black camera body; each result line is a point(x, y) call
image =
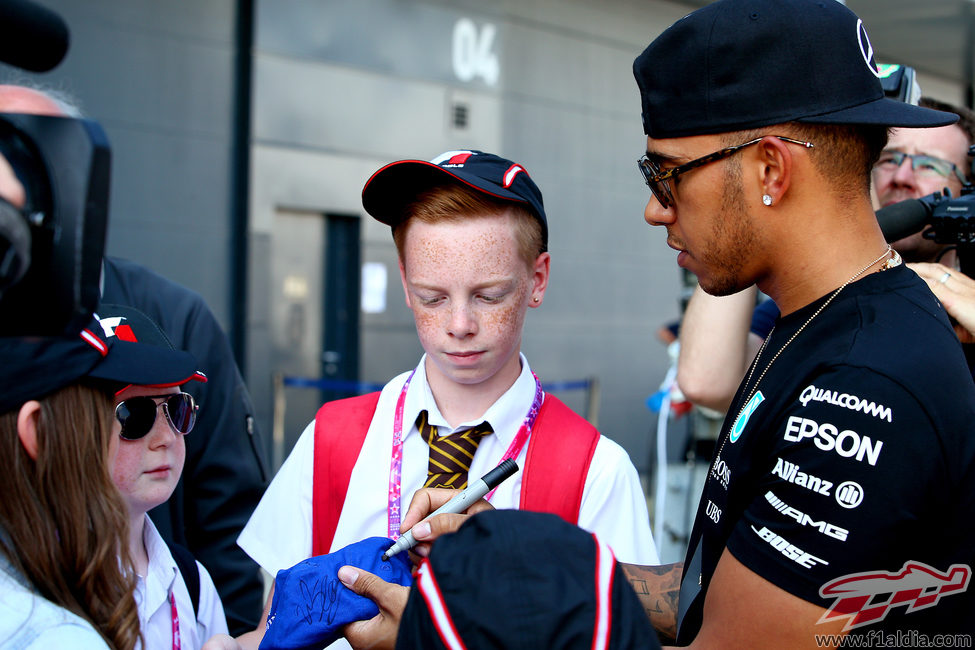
point(951, 221)
point(51, 250)
point(943, 218)
point(948, 220)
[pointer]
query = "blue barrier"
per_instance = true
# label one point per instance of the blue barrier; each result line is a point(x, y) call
point(339, 385)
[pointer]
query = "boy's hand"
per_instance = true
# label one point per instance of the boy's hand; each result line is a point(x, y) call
point(380, 631)
point(425, 501)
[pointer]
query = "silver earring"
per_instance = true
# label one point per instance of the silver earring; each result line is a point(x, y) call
point(767, 199)
point(535, 299)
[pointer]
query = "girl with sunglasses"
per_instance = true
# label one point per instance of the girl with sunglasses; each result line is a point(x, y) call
point(150, 422)
point(67, 579)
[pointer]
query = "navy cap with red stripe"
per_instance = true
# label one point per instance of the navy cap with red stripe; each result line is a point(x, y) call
point(518, 579)
point(142, 354)
point(387, 193)
point(120, 345)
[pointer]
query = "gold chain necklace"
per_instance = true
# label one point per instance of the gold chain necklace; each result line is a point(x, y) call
point(895, 260)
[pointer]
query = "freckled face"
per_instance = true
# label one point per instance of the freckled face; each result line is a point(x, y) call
point(469, 291)
point(146, 470)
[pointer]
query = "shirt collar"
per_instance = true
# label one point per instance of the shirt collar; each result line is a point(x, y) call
point(162, 566)
point(505, 416)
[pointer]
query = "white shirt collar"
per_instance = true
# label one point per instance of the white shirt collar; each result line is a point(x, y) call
point(162, 568)
point(505, 416)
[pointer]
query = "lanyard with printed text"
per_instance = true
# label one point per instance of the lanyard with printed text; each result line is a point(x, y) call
point(396, 457)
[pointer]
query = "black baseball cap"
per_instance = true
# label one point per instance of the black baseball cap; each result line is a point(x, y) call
point(743, 64)
point(120, 345)
point(518, 579)
point(387, 193)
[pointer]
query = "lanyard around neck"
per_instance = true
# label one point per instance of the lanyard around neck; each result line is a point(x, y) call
point(175, 614)
point(393, 509)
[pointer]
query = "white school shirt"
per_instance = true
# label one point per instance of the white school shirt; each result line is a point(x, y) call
point(155, 611)
point(279, 533)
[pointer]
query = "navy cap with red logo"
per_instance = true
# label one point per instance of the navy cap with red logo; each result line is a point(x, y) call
point(144, 355)
point(519, 579)
point(743, 64)
point(387, 193)
point(120, 345)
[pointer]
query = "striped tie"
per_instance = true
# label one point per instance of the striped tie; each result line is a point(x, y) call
point(450, 455)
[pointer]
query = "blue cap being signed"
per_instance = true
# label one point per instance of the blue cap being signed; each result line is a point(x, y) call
point(310, 606)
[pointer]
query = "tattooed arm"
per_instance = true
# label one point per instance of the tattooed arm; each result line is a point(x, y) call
point(658, 588)
point(741, 609)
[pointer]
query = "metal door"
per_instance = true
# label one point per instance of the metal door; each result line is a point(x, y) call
point(314, 320)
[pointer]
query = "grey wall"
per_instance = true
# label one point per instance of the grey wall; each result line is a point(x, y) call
point(344, 86)
point(341, 88)
point(158, 77)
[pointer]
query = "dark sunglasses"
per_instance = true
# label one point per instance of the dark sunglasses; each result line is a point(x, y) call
point(138, 414)
point(659, 181)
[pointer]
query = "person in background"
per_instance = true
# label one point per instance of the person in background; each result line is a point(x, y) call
point(151, 422)
point(65, 574)
point(919, 162)
point(956, 291)
point(472, 237)
point(225, 472)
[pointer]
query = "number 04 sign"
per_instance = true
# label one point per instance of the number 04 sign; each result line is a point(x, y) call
point(472, 52)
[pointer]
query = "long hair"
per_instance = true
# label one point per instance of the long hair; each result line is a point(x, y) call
point(63, 518)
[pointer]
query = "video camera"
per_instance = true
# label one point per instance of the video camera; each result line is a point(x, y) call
point(949, 220)
point(51, 249)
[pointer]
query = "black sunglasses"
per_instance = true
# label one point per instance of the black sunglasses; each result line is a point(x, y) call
point(659, 181)
point(138, 414)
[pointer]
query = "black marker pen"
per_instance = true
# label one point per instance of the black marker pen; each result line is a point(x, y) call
point(459, 503)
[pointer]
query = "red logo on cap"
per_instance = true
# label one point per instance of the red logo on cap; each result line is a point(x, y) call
point(125, 333)
point(459, 159)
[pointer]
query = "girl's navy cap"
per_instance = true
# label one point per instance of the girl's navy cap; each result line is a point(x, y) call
point(742, 64)
point(120, 344)
point(387, 193)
